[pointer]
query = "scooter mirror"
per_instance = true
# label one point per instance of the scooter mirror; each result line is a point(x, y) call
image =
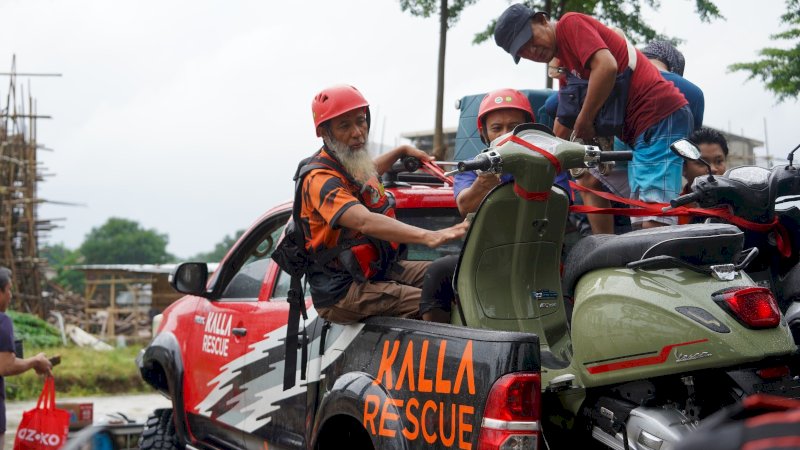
point(685, 149)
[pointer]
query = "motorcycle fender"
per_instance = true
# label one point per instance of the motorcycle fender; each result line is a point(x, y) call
point(356, 395)
point(161, 366)
point(630, 325)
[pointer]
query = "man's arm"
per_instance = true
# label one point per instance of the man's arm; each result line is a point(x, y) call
point(11, 365)
point(601, 82)
point(378, 226)
point(384, 161)
point(471, 197)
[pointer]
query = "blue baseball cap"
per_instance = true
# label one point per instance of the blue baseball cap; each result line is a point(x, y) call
point(513, 29)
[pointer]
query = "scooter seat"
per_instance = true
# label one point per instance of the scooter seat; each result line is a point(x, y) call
point(698, 244)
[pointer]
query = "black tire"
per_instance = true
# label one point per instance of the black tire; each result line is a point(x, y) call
point(159, 432)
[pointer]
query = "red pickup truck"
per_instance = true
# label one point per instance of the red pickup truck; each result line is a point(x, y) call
point(384, 383)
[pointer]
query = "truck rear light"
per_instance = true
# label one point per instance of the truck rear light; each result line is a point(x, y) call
point(754, 307)
point(511, 417)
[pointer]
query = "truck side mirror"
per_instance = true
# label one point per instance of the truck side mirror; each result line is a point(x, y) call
point(190, 278)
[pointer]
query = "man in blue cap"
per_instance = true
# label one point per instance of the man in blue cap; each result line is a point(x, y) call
point(656, 114)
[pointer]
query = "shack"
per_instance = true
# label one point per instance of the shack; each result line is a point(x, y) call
point(126, 297)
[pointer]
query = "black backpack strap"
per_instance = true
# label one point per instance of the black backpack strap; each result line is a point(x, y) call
point(297, 307)
point(296, 295)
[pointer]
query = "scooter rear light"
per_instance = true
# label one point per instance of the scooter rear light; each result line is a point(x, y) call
point(511, 417)
point(754, 307)
point(772, 373)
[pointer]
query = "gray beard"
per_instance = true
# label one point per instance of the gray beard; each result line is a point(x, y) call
point(357, 163)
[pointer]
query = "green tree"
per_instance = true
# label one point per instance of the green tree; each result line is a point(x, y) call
point(448, 16)
point(624, 14)
point(123, 241)
point(220, 250)
point(779, 68)
point(61, 259)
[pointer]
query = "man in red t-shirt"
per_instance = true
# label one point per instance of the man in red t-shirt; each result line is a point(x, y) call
point(656, 113)
point(344, 207)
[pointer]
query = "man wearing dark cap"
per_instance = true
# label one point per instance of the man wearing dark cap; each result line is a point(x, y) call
point(656, 114)
point(670, 62)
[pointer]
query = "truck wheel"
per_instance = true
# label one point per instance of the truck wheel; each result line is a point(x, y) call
point(159, 432)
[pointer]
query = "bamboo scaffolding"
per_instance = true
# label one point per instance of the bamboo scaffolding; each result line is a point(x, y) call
point(20, 226)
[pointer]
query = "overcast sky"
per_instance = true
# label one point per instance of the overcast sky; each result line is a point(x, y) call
point(190, 116)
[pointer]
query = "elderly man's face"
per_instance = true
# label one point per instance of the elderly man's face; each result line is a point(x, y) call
point(351, 129)
point(542, 48)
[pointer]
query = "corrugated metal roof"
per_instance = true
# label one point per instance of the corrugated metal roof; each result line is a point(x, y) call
point(137, 268)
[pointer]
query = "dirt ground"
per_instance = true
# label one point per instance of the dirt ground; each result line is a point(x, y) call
point(136, 407)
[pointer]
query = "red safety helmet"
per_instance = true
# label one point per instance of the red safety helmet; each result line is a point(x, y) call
point(501, 99)
point(335, 101)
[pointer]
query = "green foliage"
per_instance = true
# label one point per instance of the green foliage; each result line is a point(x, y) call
point(34, 331)
point(220, 250)
point(111, 372)
point(61, 258)
point(425, 8)
point(123, 241)
point(625, 15)
point(779, 68)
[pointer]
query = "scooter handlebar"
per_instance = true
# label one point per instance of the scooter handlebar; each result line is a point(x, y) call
point(621, 155)
point(475, 164)
point(684, 200)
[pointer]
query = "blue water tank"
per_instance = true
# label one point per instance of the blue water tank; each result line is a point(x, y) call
point(468, 142)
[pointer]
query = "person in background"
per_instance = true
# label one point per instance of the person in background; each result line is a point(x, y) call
point(656, 114)
point(9, 363)
point(671, 63)
point(713, 149)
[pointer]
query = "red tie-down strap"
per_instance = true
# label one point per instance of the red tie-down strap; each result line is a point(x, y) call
point(522, 193)
point(550, 157)
point(436, 171)
point(640, 208)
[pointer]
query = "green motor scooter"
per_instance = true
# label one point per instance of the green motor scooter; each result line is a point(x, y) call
point(665, 328)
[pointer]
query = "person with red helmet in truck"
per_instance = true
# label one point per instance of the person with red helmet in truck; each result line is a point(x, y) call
point(348, 221)
point(499, 112)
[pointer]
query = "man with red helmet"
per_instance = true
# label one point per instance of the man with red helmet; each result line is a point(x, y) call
point(499, 112)
point(348, 222)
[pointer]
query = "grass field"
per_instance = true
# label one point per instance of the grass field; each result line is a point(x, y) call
point(82, 372)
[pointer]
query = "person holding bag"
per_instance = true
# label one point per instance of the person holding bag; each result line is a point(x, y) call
point(9, 363)
point(655, 113)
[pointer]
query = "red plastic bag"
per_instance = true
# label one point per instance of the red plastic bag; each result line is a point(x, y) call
point(44, 427)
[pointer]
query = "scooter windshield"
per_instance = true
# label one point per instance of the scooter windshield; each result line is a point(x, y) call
point(543, 141)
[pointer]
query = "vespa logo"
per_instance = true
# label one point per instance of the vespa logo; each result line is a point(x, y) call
point(681, 357)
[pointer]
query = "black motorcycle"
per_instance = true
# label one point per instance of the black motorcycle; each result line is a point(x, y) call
point(765, 204)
